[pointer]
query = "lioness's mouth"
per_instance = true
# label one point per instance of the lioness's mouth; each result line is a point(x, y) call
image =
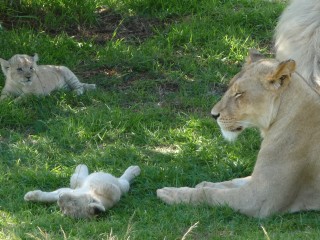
point(26, 81)
point(238, 129)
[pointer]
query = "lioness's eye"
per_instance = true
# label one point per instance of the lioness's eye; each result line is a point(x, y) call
point(31, 68)
point(19, 69)
point(238, 94)
point(283, 77)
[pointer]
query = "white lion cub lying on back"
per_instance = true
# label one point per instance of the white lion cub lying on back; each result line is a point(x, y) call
point(24, 76)
point(89, 194)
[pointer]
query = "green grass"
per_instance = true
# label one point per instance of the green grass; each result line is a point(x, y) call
point(151, 109)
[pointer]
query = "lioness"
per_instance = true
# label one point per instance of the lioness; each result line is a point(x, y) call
point(89, 194)
point(24, 76)
point(297, 37)
point(271, 96)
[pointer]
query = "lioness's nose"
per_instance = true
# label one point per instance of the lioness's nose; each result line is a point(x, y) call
point(215, 115)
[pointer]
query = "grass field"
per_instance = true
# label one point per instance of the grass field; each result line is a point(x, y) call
point(159, 67)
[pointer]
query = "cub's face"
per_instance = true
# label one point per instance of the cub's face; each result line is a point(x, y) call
point(252, 97)
point(20, 69)
point(79, 205)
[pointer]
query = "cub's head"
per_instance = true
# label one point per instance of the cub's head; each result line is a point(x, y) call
point(79, 205)
point(20, 68)
point(252, 98)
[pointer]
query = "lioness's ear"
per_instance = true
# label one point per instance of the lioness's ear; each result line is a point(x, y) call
point(94, 207)
point(254, 55)
point(35, 57)
point(4, 66)
point(282, 75)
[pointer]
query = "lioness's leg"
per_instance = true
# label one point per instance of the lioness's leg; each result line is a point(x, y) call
point(259, 197)
point(39, 196)
point(233, 197)
point(79, 176)
point(127, 177)
point(234, 183)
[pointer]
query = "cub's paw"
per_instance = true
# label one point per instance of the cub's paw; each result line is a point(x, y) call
point(32, 195)
point(82, 168)
point(91, 87)
point(134, 170)
point(79, 91)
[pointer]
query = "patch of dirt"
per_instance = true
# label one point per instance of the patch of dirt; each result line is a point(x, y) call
point(169, 87)
point(110, 26)
point(87, 74)
point(126, 77)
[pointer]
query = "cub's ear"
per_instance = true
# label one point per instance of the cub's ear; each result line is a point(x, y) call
point(254, 55)
point(4, 66)
point(96, 207)
point(281, 77)
point(35, 57)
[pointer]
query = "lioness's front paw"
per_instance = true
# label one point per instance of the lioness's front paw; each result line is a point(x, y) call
point(32, 195)
point(211, 185)
point(167, 195)
point(205, 184)
point(200, 185)
point(172, 195)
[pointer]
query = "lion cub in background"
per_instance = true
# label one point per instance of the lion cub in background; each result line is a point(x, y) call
point(24, 77)
point(89, 194)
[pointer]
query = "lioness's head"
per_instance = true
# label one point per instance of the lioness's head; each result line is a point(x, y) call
point(79, 205)
point(253, 94)
point(20, 68)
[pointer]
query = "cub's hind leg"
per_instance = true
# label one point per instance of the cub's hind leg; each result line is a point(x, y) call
point(74, 83)
point(79, 176)
point(127, 177)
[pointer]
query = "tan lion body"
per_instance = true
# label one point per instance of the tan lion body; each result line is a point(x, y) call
point(297, 37)
point(270, 96)
point(24, 77)
point(89, 193)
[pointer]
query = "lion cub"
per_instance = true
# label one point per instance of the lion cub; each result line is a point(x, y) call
point(24, 76)
point(89, 194)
